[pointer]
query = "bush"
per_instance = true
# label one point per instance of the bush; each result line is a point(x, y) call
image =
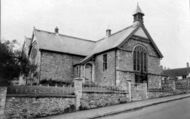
point(13, 63)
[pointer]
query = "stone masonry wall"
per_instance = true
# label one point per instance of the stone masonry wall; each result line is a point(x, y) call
point(124, 63)
point(158, 94)
point(123, 78)
point(94, 100)
point(154, 82)
point(153, 60)
point(124, 60)
point(30, 107)
point(154, 65)
point(106, 77)
point(57, 66)
point(132, 43)
point(138, 91)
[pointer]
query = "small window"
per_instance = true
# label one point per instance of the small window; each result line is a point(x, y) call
point(104, 62)
point(77, 71)
point(184, 76)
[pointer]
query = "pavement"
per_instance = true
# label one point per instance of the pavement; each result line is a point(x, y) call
point(117, 109)
point(178, 109)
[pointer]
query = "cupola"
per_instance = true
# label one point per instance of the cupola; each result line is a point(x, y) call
point(138, 14)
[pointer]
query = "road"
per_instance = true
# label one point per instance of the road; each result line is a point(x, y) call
point(179, 109)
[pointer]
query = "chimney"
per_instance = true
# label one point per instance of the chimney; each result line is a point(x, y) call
point(56, 29)
point(187, 64)
point(108, 32)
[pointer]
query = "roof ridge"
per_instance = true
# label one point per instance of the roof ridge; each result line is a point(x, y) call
point(65, 35)
point(122, 30)
point(77, 38)
point(116, 32)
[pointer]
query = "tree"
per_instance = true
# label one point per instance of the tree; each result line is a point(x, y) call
point(13, 63)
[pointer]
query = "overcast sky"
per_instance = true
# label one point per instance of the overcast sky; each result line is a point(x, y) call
point(168, 21)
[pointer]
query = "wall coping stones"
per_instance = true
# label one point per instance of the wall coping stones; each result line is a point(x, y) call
point(41, 96)
point(79, 79)
point(102, 91)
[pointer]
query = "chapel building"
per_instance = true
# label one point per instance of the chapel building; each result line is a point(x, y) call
point(129, 54)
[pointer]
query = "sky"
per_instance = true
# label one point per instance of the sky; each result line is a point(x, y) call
point(168, 21)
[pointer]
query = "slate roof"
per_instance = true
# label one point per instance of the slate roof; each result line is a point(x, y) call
point(112, 41)
point(63, 43)
point(117, 39)
point(73, 45)
point(176, 72)
point(78, 46)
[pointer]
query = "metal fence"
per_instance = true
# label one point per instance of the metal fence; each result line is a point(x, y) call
point(39, 91)
point(160, 90)
point(174, 86)
point(183, 84)
point(102, 89)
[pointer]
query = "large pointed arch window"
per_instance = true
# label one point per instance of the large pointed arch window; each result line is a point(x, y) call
point(140, 64)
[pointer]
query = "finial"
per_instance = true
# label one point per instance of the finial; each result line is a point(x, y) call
point(138, 9)
point(138, 14)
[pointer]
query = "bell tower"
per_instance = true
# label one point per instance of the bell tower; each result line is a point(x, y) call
point(138, 14)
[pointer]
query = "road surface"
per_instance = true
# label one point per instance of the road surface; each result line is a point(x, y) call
point(179, 109)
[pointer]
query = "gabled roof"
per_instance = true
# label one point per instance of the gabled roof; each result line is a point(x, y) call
point(26, 45)
point(27, 41)
point(152, 42)
point(176, 72)
point(111, 42)
point(63, 43)
point(72, 45)
point(116, 39)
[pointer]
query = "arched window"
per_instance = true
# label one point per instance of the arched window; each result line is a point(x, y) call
point(140, 59)
point(140, 64)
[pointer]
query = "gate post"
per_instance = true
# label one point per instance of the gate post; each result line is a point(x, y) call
point(173, 85)
point(78, 91)
point(130, 92)
point(3, 94)
point(146, 90)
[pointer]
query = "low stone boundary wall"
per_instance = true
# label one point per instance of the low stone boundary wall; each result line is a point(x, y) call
point(31, 107)
point(38, 101)
point(93, 97)
point(183, 84)
point(94, 100)
point(157, 94)
point(138, 91)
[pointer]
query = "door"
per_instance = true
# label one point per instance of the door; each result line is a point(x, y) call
point(88, 72)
